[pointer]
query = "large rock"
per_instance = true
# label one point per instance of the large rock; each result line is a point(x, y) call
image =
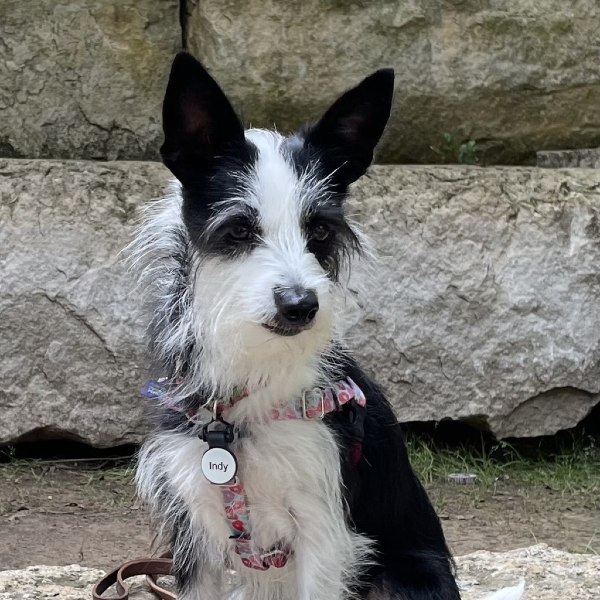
point(85, 78)
point(44, 582)
point(516, 75)
point(549, 575)
point(484, 306)
point(70, 361)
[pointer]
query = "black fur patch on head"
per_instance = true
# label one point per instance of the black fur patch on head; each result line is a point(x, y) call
point(329, 236)
point(348, 132)
point(205, 200)
point(199, 123)
point(206, 150)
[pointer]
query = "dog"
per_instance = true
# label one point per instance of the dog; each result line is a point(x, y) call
point(274, 455)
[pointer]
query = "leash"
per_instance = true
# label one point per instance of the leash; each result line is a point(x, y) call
point(152, 568)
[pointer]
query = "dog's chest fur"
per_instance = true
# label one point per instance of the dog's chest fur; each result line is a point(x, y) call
point(290, 471)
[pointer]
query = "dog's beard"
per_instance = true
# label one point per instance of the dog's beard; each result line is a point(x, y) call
point(233, 306)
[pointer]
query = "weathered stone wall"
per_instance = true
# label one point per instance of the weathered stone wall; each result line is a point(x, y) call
point(485, 301)
point(483, 306)
point(585, 158)
point(517, 75)
point(84, 78)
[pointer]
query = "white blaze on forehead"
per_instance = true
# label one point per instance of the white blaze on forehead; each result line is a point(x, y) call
point(277, 192)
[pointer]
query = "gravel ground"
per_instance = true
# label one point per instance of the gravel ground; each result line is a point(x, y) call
point(549, 574)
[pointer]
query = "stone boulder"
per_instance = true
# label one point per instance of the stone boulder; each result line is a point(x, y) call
point(483, 306)
point(485, 302)
point(44, 582)
point(549, 575)
point(516, 76)
point(85, 79)
point(70, 333)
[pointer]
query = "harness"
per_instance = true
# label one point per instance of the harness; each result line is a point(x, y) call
point(219, 464)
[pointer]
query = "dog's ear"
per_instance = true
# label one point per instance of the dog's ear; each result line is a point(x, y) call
point(348, 132)
point(199, 122)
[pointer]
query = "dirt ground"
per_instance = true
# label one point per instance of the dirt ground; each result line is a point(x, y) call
point(59, 515)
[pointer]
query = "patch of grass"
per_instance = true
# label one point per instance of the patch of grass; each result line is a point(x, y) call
point(37, 484)
point(17, 468)
point(123, 469)
point(121, 475)
point(450, 150)
point(571, 466)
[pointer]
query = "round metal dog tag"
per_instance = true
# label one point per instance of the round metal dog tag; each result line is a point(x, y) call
point(219, 465)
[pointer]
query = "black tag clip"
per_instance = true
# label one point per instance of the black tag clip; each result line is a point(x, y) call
point(218, 434)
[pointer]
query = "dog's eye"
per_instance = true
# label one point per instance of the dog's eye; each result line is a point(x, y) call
point(239, 232)
point(320, 232)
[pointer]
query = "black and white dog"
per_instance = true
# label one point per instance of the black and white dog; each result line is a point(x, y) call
point(274, 454)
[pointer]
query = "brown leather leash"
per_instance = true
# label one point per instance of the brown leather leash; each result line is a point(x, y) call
point(152, 568)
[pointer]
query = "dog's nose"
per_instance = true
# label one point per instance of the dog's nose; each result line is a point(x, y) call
point(297, 306)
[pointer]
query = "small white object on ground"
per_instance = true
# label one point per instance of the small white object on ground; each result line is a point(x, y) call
point(509, 593)
point(462, 478)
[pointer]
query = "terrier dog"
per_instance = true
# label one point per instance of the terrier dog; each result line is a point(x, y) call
point(274, 454)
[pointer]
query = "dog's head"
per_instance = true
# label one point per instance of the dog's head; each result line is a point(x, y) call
point(267, 236)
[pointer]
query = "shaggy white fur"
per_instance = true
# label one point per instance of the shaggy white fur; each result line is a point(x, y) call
point(222, 309)
point(217, 306)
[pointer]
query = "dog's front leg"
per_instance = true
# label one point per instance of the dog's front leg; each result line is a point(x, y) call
point(206, 585)
point(199, 580)
point(314, 581)
point(326, 552)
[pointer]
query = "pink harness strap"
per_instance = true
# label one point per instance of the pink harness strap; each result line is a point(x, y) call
point(236, 511)
point(312, 405)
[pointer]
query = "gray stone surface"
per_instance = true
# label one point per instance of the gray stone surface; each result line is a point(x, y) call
point(84, 78)
point(70, 361)
point(549, 575)
point(587, 158)
point(483, 307)
point(485, 303)
point(45, 582)
point(516, 75)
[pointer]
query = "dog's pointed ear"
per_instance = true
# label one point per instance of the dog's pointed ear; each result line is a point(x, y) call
point(348, 132)
point(199, 122)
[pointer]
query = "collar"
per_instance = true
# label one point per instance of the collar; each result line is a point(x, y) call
point(312, 405)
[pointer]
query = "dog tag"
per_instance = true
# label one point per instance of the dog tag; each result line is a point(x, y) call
point(219, 465)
